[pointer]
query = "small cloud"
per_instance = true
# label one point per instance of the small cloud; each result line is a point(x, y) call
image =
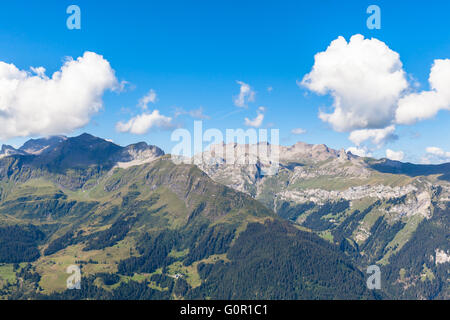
point(196, 113)
point(150, 97)
point(269, 89)
point(256, 122)
point(144, 122)
point(246, 94)
point(298, 131)
point(360, 152)
point(395, 155)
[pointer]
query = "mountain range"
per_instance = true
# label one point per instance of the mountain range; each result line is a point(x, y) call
point(142, 227)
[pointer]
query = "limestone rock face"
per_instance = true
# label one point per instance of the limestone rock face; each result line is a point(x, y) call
point(311, 179)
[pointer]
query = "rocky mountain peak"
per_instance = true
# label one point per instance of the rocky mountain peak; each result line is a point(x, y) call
point(8, 150)
point(138, 153)
point(343, 155)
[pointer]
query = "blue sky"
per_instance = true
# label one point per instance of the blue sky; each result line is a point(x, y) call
point(192, 53)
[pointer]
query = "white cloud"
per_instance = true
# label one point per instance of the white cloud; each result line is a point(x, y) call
point(376, 136)
point(365, 79)
point(124, 86)
point(372, 93)
point(360, 152)
point(33, 104)
point(269, 89)
point(395, 155)
point(150, 97)
point(438, 153)
point(39, 71)
point(426, 104)
point(195, 113)
point(257, 122)
point(142, 123)
point(246, 94)
point(298, 131)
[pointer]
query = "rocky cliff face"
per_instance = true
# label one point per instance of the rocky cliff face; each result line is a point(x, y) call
point(392, 214)
point(9, 151)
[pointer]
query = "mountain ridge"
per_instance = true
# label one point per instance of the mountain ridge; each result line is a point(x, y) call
point(91, 199)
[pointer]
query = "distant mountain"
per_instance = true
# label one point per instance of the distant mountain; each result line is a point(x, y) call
point(73, 162)
point(412, 170)
point(374, 210)
point(142, 227)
